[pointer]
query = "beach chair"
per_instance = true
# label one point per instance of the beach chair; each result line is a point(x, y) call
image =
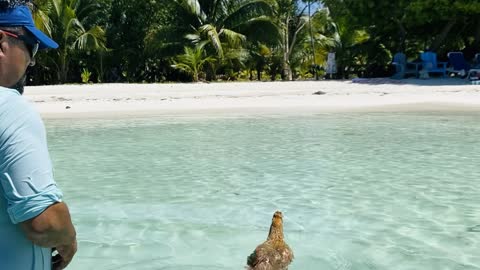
point(457, 64)
point(473, 74)
point(476, 61)
point(402, 67)
point(331, 65)
point(430, 64)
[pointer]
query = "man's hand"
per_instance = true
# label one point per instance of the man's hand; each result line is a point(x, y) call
point(64, 256)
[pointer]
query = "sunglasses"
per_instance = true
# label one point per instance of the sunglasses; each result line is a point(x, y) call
point(32, 44)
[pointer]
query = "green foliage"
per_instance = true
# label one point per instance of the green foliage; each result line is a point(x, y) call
point(410, 26)
point(85, 75)
point(64, 21)
point(158, 40)
point(127, 32)
point(224, 23)
point(193, 61)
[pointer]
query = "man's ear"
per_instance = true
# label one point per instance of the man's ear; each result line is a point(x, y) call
point(33, 61)
point(3, 40)
point(3, 36)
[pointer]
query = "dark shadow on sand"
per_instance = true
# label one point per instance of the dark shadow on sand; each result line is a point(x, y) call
point(414, 81)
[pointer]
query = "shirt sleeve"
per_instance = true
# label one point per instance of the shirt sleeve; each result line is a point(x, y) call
point(27, 174)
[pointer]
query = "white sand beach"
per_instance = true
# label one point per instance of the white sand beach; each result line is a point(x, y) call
point(123, 100)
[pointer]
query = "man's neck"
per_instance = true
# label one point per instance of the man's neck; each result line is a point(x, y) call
point(20, 85)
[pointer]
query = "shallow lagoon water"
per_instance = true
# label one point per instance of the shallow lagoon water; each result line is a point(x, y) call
point(358, 191)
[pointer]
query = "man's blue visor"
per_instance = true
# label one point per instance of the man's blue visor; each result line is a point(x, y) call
point(21, 16)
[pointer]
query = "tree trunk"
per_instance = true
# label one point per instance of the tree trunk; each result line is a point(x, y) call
point(286, 50)
point(101, 72)
point(195, 75)
point(62, 75)
point(259, 74)
point(290, 46)
point(312, 43)
point(476, 42)
point(441, 37)
point(286, 71)
point(402, 35)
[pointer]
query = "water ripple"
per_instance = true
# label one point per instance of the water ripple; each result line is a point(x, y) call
point(359, 191)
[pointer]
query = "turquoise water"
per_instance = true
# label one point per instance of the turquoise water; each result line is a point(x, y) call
point(358, 190)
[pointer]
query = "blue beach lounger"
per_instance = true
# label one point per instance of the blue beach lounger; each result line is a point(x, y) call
point(430, 64)
point(476, 61)
point(458, 64)
point(402, 67)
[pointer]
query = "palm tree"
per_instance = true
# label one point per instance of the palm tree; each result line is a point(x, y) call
point(193, 60)
point(323, 36)
point(348, 43)
point(258, 57)
point(292, 22)
point(64, 21)
point(225, 25)
point(227, 22)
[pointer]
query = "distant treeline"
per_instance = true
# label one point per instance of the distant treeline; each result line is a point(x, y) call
point(190, 40)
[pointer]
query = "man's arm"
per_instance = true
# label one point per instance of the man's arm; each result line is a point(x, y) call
point(52, 228)
point(33, 199)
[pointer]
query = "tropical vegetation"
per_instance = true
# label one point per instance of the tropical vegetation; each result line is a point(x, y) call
point(222, 40)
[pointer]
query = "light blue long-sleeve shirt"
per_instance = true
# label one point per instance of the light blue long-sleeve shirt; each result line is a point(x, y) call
point(27, 185)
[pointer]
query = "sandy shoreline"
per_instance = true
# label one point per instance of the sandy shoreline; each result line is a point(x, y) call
point(123, 100)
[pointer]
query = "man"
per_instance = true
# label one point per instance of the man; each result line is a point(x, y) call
point(33, 219)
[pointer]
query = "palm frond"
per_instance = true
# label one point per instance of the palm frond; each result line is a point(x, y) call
point(93, 39)
point(58, 7)
point(211, 32)
point(169, 40)
point(42, 22)
point(194, 38)
point(192, 61)
point(86, 8)
point(193, 7)
point(239, 54)
point(243, 11)
point(233, 38)
point(261, 29)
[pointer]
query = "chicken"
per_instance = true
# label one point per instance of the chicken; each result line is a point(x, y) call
point(274, 253)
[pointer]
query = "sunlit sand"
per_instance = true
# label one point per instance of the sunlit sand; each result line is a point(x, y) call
point(123, 100)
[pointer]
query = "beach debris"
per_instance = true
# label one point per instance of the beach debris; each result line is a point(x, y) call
point(377, 81)
point(319, 93)
point(63, 99)
point(274, 253)
point(67, 107)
